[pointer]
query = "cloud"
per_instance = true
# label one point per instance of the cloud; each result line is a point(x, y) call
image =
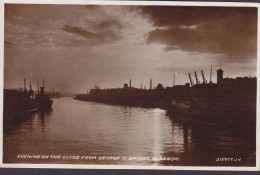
point(81, 32)
point(51, 26)
point(76, 47)
point(216, 30)
point(187, 16)
point(102, 32)
point(109, 25)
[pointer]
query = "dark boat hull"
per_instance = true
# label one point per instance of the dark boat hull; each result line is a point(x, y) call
point(18, 103)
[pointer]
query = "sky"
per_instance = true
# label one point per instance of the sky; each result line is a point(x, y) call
point(77, 47)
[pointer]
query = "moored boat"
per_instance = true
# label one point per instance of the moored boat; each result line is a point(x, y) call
point(18, 103)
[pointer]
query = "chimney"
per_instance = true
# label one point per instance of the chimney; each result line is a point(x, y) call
point(24, 85)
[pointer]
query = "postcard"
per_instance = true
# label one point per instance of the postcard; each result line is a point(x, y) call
point(130, 85)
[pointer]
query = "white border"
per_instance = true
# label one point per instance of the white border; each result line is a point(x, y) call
point(92, 2)
point(1, 77)
point(122, 2)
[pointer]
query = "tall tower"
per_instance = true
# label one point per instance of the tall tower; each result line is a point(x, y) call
point(24, 85)
point(38, 86)
point(219, 74)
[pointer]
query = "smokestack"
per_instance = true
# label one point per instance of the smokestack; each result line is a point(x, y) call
point(174, 78)
point(141, 86)
point(38, 86)
point(151, 84)
point(130, 83)
point(24, 84)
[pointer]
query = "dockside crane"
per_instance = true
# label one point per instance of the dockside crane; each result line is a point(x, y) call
point(191, 81)
point(203, 77)
point(197, 80)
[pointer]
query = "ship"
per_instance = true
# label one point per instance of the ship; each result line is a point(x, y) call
point(21, 102)
point(229, 102)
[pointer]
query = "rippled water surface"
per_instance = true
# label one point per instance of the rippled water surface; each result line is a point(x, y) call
point(79, 128)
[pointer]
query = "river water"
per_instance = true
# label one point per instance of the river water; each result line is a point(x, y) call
point(80, 132)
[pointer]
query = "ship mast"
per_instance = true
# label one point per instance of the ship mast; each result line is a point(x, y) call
point(210, 74)
point(174, 79)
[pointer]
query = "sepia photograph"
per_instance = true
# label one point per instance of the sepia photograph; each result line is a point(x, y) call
point(139, 85)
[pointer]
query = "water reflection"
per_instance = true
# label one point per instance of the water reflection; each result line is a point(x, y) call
point(157, 133)
point(203, 143)
point(93, 129)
